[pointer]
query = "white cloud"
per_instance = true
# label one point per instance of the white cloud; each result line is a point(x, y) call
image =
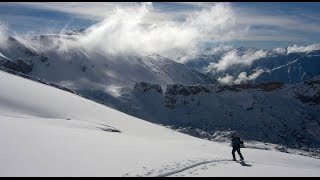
point(218, 49)
point(309, 48)
point(222, 48)
point(125, 31)
point(280, 50)
point(226, 80)
point(217, 22)
point(264, 26)
point(232, 58)
point(243, 78)
point(140, 28)
point(130, 29)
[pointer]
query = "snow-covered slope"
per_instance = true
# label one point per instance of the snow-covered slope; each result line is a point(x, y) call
point(49, 132)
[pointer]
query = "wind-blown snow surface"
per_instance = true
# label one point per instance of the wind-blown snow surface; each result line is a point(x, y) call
point(49, 132)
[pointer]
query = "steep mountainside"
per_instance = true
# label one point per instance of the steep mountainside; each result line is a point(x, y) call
point(269, 112)
point(55, 59)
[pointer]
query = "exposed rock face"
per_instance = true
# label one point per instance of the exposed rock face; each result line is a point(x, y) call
point(309, 91)
point(30, 52)
point(22, 48)
point(19, 65)
point(177, 89)
point(270, 86)
point(145, 87)
point(43, 58)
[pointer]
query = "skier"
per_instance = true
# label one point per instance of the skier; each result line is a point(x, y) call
point(236, 144)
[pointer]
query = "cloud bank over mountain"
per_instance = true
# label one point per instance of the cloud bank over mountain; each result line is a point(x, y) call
point(131, 30)
point(234, 58)
point(125, 31)
point(308, 48)
point(242, 77)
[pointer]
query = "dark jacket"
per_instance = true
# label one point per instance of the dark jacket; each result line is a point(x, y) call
point(236, 142)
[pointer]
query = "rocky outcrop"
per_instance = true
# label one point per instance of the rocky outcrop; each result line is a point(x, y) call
point(309, 91)
point(270, 86)
point(178, 89)
point(145, 87)
point(19, 65)
point(23, 48)
point(43, 58)
point(175, 90)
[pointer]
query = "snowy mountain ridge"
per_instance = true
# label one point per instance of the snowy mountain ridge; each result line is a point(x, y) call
point(291, 65)
point(44, 55)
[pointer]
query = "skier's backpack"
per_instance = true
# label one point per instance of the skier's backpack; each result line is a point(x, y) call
point(241, 144)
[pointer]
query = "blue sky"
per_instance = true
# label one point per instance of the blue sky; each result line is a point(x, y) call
point(26, 18)
point(268, 24)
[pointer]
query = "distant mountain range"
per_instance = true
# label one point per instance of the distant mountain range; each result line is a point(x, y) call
point(284, 65)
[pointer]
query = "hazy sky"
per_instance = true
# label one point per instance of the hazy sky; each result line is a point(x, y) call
point(262, 25)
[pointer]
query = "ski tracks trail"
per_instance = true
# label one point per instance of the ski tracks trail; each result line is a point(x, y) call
point(189, 167)
point(178, 167)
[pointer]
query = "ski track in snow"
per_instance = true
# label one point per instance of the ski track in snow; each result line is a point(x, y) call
point(193, 170)
point(271, 164)
point(176, 168)
point(190, 167)
point(194, 167)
